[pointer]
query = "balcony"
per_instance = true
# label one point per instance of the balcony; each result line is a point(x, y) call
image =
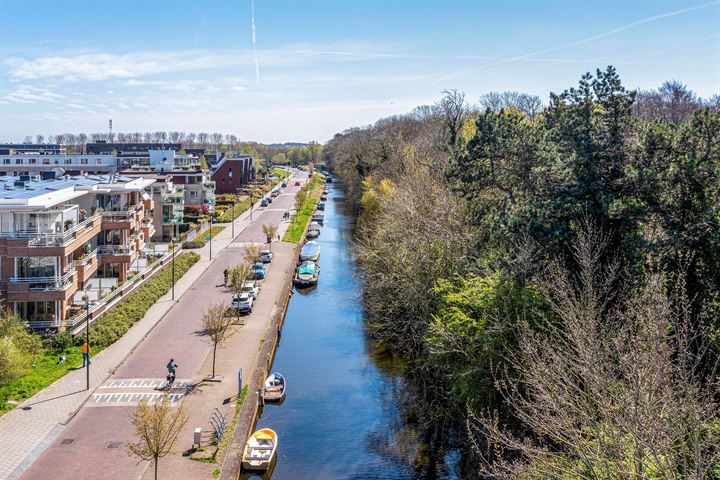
point(86, 266)
point(23, 289)
point(116, 253)
point(177, 198)
point(121, 219)
point(61, 239)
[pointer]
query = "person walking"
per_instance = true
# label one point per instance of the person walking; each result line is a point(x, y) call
point(85, 350)
point(225, 274)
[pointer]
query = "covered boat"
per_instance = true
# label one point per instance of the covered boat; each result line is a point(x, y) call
point(323, 197)
point(307, 274)
point(312, 233)
point(320, 206)
point(274, 387)
point(310, 251)
point(260, 450)
point(319, 217)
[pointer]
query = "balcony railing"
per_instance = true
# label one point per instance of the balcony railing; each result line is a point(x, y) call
point(104, 250)
point(177, 199)
point(86, 259)
point(40, 239)
point(121, 215)
point(46, 283)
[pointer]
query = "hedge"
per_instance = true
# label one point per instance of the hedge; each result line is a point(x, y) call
point(199, 240)
point(112, 325)
point(232, 213)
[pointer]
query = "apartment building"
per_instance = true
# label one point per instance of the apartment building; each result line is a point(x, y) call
point(13, 148)
point(55, 164)
point(59, 237)
point(188, 178)
point(233, 172)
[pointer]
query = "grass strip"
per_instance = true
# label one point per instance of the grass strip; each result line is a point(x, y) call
point(296, 229)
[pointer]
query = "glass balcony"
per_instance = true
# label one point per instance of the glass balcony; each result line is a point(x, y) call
point(43, 239)
point(44, 284)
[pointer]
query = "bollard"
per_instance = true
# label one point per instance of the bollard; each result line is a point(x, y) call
point(197, 437)
point(239, 381)
point(261, 400)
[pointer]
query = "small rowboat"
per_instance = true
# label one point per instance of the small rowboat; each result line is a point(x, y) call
point(274, 387)
point(260, 450)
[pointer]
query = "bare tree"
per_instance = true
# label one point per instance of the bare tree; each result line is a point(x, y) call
point(39, 139)
point(252, 253)
point(269, 231)
point(606, 387)
point(216, 325)
point(158, 426)
point(238, 275)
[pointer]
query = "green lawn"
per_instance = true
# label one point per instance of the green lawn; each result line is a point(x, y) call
point(296, 229)
point(199, 240)
point(103, 332)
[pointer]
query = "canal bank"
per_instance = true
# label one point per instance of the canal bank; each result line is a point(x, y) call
point(342, 417)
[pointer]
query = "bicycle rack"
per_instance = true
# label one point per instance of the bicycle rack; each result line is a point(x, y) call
point(218, 422)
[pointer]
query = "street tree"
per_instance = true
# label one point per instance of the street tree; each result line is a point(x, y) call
point(216, 325)
point(269, 230)
point(252, 253)
point(158, 426)
point(238, 275)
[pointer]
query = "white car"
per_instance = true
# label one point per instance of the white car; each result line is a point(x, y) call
point(242, 303)
point(251, 287)
point(266, 256)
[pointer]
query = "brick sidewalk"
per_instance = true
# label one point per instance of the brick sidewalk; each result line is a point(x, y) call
point(28, 429)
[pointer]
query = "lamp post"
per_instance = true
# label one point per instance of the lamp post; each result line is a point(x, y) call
point(87, 341)
point(173, 268)
point(211, 235)
point(232, 221)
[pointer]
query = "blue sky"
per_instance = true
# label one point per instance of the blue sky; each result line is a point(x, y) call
point(322, 65)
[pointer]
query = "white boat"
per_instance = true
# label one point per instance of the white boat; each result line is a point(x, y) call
point(318, 217)
point(310, 251)
point(274, 387)
point(260, 450)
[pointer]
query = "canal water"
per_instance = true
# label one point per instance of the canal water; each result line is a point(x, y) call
point(341, 417)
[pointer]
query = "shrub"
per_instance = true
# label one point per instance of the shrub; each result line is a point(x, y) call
point(61, 341)
point(193, 244)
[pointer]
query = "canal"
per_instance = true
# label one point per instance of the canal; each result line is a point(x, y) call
point(341, 417)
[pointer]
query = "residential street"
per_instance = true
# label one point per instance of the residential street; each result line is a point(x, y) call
point(91, 446)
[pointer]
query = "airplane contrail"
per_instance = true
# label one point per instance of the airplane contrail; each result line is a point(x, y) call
point(254, 43)
point(608, 33)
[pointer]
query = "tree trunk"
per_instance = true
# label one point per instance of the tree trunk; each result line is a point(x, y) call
point(156, 462)
point(214, 350)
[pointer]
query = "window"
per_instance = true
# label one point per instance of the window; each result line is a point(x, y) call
point(33, 161)
point(193, 194)
point(6, 161)
point(68, 161)
point(46, 161)
point(18, 161)
point(84, 161)
point(230, 172)
point(33, 267)
point(33, 311)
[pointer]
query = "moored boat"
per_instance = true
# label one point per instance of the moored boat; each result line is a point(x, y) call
point(274, 387)
point(310, 251)
point(320, 206)
point(323, 197)
point(307, 274)
point(319, 217)
point(260, 450)
point(312, 233)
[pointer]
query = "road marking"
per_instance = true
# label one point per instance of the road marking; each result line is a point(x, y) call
point(129, 399)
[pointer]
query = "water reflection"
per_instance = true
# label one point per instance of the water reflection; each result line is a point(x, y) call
point(343, 415)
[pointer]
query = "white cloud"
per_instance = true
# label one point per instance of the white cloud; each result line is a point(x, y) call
point(29, 94)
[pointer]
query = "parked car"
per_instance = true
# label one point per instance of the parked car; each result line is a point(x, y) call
point(266, 256)
point(251, 287)
point(269, 199)
point(274, 193)
point(258, 271)
point(297, 184)
point(283, 184)
point(242, 303)
point(264, 202)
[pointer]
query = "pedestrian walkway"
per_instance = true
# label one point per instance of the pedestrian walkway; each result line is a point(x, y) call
point(29, 428)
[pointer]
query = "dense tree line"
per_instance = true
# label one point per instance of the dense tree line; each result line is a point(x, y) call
point(550, 272)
